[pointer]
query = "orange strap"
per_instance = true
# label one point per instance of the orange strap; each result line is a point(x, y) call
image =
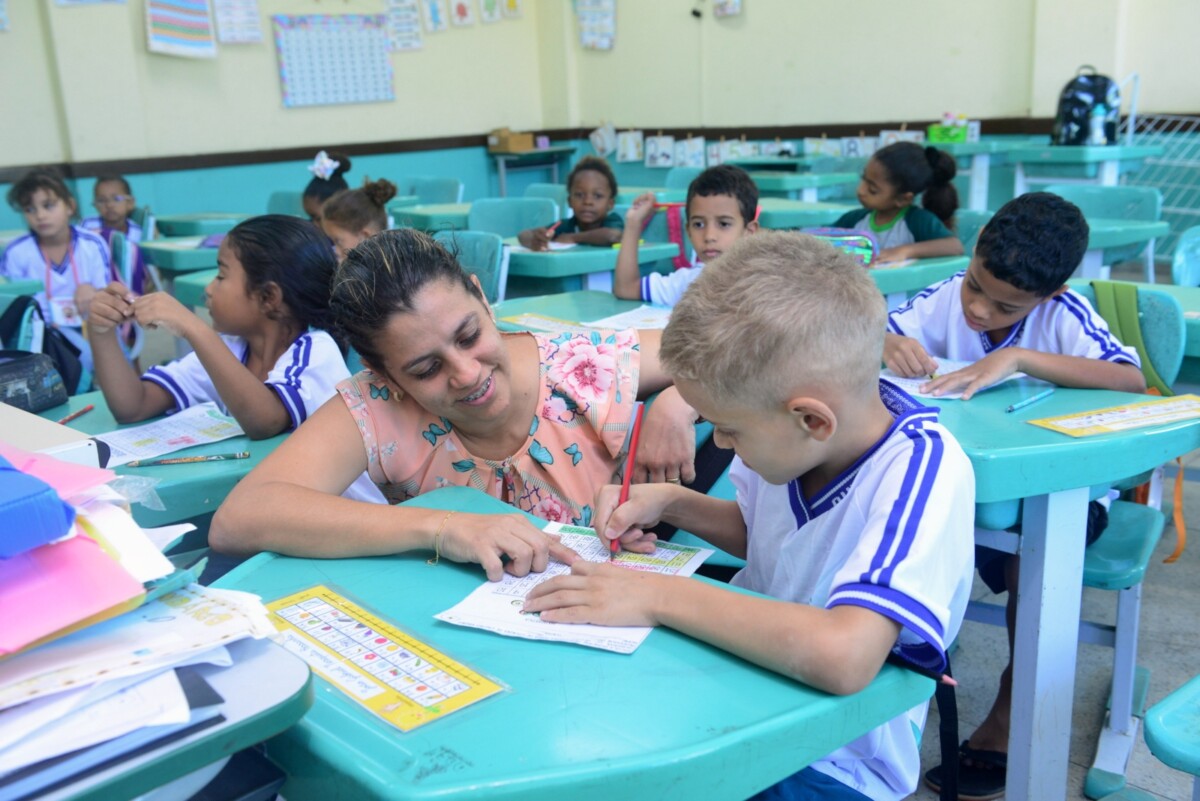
point(1141, 494)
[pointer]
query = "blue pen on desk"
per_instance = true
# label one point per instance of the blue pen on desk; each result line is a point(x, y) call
point(1045, 393)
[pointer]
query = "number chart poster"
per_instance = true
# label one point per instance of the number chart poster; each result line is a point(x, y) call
point(327, 59)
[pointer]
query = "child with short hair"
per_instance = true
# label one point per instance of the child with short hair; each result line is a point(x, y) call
point(329, 170)
point(114, 201)
point(722, 204)
point(891, 181)
point(72, 263)
point(854, 506)
point(591, 193)
point(351, 216)
point(1011, 311)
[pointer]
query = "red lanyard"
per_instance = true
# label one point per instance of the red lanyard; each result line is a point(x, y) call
point(49, 269)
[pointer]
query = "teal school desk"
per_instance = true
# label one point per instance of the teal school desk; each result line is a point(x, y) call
point(189, 287)
point(1051, 473)
point(8, 235)
point(1089, 164)
point(186, 490)
point(775, 163)
point(697, 721)
point(431, 216)
point(897, 283)
point(200, 224)
point(801, 186)
point(174, 256)
point(547, 158)
point(1106, 233)
point(980, 156)
point(781, 213)
point(627, 194)
point(17, 288)
point(580, 267)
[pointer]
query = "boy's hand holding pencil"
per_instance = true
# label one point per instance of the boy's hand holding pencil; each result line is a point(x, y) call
point(540, 238)
point(642, 209)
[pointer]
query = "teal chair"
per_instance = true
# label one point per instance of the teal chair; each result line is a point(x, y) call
point(1185, 266)
point(144, 218)
point(556, 192)
point(1117, 203)
point(290, 203)
point(437, 190)
point(482, 255)
point(509, 216)
point(967, 225)
point(1173, 734)
point(124, 256)
point(681, 177)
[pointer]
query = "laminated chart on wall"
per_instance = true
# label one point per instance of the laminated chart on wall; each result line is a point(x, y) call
point(327, 59)
point(404, 25)
point(511, 8)
point(436, 14)
point(462, 12)
point(490, 10)
point(238, 21)
point(690, 152)
point(3, 15)
point(660, 151)
point(629, 146)
point(727, 8)
point(180, 28)
point(597, 23)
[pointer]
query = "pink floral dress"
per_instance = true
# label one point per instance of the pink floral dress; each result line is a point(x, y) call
point(576, 443)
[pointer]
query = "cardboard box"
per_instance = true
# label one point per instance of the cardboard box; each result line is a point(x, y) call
point(502, 140)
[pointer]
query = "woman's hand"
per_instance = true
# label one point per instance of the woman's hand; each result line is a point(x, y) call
point(667, 449)
point(500, 544)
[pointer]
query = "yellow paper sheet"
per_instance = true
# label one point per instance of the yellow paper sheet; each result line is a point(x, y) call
point(1122, 418)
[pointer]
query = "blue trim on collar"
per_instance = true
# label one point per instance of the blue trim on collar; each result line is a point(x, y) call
point(1014, 336)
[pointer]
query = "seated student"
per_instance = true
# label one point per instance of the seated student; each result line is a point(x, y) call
point(854, 507)
point(537, 420)
point(893, 178)
point(1010, 311)
point(722, 203)
point(114, 201)
point(71, 262)
point(351, 216)
point(591, 193)
point(329, 170)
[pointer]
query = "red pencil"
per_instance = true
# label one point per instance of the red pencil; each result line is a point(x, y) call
point(76, 414)
point(630, 459)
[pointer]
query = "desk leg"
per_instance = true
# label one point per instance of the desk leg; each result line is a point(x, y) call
point(1020, 182)
point(1110, 172)
point(602, 282)
point(981, 165)
point(1047, 636)
point(1093, 265)
point(501, 171)
point(809, 194)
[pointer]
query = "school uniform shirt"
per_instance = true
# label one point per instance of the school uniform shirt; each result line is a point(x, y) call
point(894, 534)
point(134, 234)
point(304, 377)
point(87, 262)
point(1065, 324)
point(912, 224)
point(571, 225)
point(666, 289)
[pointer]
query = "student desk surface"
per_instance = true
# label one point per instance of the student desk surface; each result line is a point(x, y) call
point(186, 490)
point(189, 288)
point(30, 286)
point(582, 266)
point(979, 154)
point(9, 234)
point(775, 163)
point(627, 194)
point(1087, 163)
point(676, 718)
point(801, 186)
point(1052, 473)
point(896, 283)
point(179, 254)
point(431, 216)
point(200, 224)
point(266, 690)
point(778, 212)
point(1113, 233)
point(548, 158)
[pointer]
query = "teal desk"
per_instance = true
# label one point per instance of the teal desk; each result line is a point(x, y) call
point(776, 163)
point(200, 224)
point(580, 267)
point(186, 490)
point(979, 154)
point(432, 216)
point(897, 283)
point(1100, 165)
point(675, 719)
point(177, 255)
point(30, 286)
point(627, 194)
point(1052, 473)
point(776, 213)
point(801, 186)
point(546, 158)
point(189, 288)
point(10, 234)
point(572, 307)
point(1106, 233)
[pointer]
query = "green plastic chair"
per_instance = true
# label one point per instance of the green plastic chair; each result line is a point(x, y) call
point(1185, 266)
point(437, 190)
point(144, 218)
point(290, 203)
point(681, 177)
point(1117, 203)
point(509, 216)
point(482, 255)
point(967, 225)
point(556, 192)
point(1173, 731)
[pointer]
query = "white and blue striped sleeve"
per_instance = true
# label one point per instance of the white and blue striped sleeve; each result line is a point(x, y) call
point(307, 374)
point(666, 290)
point(186, 380)
point(915, 557)
point(1081, 331)
point(927, 308)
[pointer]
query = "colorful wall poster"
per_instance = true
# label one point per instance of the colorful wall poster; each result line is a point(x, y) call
point(629, 146)
point(436, 14)
point(512, 9)
point(404, 25)
point(180, 28)
point(462, 12)
point(327, 59)
point(490, 10)
point(597, 21)
point(238, 21)
point(660, 151)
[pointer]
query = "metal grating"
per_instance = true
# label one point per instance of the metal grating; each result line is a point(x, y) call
point(1176, 173)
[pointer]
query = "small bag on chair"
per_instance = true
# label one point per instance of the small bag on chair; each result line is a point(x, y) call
point(22, 328)
point(862, 245)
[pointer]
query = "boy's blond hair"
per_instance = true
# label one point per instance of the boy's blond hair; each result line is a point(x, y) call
point(777, 312)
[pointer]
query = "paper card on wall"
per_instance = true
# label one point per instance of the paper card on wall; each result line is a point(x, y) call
point(604, 139)
point(713, 153)
point(3, 15)
point(629, 146)
point(180, 28)
point(490, 11)
point(327, 59)
point(822, 146)
point(727, 8)
point(660, 151)
point(858, 146)
point(892, 137)
point(512, 8)
point(693, 153)
point(404, 25)
point(89, 2)
point(731, 149)
point(436, 14)
point(597, 23)
point(462, 12)
point(973, 129)
point(238, 21)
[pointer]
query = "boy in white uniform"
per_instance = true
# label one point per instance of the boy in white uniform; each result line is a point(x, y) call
point(854, 509)
point(1011, 311)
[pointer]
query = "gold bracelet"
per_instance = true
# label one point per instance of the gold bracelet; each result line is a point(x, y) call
point(437, 540)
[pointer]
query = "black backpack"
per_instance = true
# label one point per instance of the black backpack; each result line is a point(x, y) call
point(18, 328)
point(1080, 98)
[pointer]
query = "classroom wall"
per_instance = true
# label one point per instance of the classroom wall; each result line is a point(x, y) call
point(32, 127)
point(1160, 45)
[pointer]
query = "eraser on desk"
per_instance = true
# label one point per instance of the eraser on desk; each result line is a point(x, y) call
point(31, 513)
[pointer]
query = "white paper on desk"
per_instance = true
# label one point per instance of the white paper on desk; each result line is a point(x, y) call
point(162, 633)
point(196, 425)
point(496, 605)
point(643, 316)
point(549, 247)
point(163, 537)
point(891, 265)
point(113, 526)
point(913, 385)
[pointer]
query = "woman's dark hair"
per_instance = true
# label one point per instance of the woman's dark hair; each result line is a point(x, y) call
point(295, 255)
point(381, 277)
point(21, 193)
point(324, 188)
point(916, 169)
point(595, 164)
point(361, 209)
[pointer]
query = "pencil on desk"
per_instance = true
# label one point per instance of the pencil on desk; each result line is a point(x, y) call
point(894, 658)
point(215, 457)
point(1045, 393)
point(75, 415)
point(630, 459)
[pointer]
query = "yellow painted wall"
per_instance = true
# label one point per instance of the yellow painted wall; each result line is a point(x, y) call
point(30, 130)
point(1161, 45)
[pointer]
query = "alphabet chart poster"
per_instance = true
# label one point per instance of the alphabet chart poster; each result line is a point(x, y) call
point(327, 59)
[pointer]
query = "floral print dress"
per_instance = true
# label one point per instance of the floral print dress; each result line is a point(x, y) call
point(577, 436)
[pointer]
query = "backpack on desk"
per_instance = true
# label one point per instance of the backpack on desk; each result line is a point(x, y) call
point(22, 328)
point(1079, 100)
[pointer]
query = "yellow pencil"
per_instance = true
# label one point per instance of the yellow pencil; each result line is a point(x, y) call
point(216, 457)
